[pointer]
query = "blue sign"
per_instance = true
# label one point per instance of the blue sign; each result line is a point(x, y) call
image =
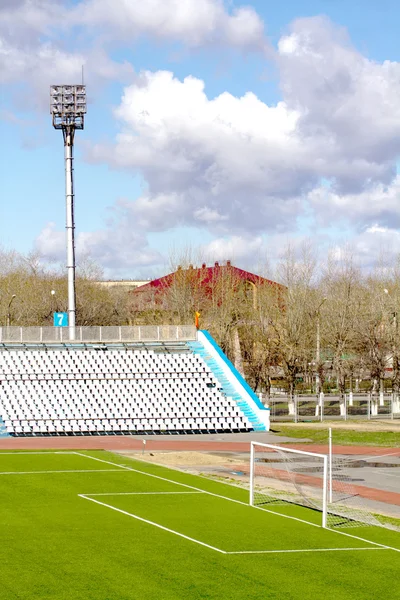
point(60, 319)
point(3, 430)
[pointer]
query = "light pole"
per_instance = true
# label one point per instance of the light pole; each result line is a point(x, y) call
point(9, 310)
point(68, 107)
point(53, 295)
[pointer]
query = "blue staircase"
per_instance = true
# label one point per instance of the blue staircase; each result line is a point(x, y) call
point(226, 386)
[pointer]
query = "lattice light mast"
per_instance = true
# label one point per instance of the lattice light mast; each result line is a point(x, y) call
point(68, 107)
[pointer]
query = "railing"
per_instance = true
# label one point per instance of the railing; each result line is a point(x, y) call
point(331, 407)
point(53, 335)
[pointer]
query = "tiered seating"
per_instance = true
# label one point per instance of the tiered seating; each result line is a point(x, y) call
point(98, 391)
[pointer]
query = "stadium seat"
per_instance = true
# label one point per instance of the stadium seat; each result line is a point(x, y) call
point(84, 391)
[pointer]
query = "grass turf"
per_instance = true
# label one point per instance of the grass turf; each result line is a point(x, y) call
point(345, 437)
point(58, 544)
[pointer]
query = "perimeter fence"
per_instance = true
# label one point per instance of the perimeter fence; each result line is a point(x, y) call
point(352, 406)
point(52, 335)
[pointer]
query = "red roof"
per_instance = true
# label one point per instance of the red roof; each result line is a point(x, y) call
point(207, 275)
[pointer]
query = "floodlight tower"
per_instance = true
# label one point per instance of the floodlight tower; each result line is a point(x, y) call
point(68, 107)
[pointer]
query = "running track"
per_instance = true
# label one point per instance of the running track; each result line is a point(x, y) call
point(193, 443)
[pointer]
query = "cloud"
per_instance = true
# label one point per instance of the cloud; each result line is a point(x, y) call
point(378, 203)
point(348, 104)
point(35, 51)
point(51, 244)
point(374, 246)
point(47, 41)
point(235, 165)
point(256, 251)
point(192, 22)
point(118, 248)
point(47, 65)
point(207, 215)
point(244, 250)
point(221, 163)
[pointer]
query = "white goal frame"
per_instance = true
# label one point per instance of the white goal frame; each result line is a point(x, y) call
point(324, 458)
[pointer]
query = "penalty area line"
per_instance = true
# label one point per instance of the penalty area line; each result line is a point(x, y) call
point(131, 469)
point(303, 550)
point(29, 452)
point(139, 493)
point(66, 471)
point(133, 516)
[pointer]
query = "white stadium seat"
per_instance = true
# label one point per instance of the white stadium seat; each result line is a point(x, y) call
point(86, 391)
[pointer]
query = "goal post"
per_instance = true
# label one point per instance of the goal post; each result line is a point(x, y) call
point(285, 476)
point(282, 478)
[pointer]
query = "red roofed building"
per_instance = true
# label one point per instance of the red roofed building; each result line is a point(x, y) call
point(204, 282)
point(220, 299)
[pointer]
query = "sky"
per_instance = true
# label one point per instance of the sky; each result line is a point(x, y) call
point(229, 128)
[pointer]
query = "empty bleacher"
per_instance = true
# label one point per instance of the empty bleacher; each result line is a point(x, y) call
point(84, 389)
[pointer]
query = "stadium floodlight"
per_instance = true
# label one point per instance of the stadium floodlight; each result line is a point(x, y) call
point(67, 108)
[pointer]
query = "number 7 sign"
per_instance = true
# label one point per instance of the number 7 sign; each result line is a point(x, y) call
point(60, 319)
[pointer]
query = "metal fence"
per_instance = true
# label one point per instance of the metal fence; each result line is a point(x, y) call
point(51, 335)
point(352, 406)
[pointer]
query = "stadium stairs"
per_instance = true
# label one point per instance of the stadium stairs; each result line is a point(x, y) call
point(245, 399)
point(170, 387)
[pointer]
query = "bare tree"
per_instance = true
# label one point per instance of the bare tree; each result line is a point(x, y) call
point(260, 342)
point(292, 321)
point(341, 285)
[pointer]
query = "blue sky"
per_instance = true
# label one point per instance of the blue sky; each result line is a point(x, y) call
point(231, 128)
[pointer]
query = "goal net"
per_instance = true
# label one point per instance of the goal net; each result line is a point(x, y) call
point(284, 476)
point(351, 502)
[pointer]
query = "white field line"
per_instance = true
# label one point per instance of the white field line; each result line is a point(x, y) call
point(198, 490)
point(356, 537)
point(238, 501)
point(87, 497)
point(303, 550)
point(138, 493)
point(124, 512)
point(65, 471)
point(17, 453)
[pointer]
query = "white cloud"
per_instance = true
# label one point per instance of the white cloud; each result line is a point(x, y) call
point(193, 22)
point(368, 248)
point(36, 50)
point(236, 165)
point(51, 244)
point(374, 245)
point(377, 204)
point(238, 249)
point(207, 215)
point(219, 162)
point(350, 114)
point(232, 165)
point(118, 248)
point(39, 44)
point(376, 229)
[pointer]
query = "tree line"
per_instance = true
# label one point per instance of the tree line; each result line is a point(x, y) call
point(323, 322)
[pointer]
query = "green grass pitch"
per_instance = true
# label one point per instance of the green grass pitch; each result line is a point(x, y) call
point(98, 526)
